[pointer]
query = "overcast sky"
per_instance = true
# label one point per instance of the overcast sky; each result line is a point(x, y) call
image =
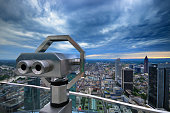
point(103, 28)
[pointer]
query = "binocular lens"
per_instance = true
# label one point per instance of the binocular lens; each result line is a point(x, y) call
point(36, 66)
point(40, 67)
point(24, 66)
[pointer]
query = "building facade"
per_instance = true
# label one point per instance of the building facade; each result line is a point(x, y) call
point(127, 79)
point(159, 86)
point(118, 68)
point(32, 95)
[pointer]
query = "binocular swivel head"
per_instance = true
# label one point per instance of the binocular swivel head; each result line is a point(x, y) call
point(46, 64)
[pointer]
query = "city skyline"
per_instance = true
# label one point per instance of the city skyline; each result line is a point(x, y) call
point(126, 29)
point(99, 81)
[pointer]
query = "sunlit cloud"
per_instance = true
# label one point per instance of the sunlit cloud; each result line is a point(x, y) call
point(11, 43)
point(96, 55)
point(52, 18)
point(146, 43)
point(54, 21)
point(140, 55)
point(34, 4)
point(66, 46)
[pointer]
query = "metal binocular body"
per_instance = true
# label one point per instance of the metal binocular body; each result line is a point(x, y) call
point(55, 65)
point(46, 64)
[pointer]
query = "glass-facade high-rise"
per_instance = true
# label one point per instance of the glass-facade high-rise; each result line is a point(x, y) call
point(167, 90)
point(118, 68)
point(127, 79)
point(159, 85)
point(32, 95)
point(152, 90)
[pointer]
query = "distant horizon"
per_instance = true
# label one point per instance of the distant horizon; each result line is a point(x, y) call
point(109, 59)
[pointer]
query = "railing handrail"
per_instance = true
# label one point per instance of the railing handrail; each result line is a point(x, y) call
point(118, 102)
point(96, 97)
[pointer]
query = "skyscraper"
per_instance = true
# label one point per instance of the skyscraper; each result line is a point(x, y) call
point(152, 85)
point(32, 95)
point(127, 79)
point(118, 68)
point(159, 86)
point(146, 65)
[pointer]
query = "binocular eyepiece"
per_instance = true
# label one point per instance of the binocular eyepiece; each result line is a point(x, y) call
point(37, 66)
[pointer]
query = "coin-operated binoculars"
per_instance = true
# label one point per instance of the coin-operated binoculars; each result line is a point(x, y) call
point(54, 65)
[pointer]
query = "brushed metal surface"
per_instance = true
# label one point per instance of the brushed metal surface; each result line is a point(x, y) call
point(26, 64)
point(59, 94)
point(60, 67)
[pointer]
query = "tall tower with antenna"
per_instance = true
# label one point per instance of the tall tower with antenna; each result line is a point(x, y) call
point(146, 65)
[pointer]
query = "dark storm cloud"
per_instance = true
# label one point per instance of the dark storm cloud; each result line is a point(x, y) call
point(100, 27)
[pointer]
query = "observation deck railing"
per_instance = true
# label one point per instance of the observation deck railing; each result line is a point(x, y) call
point(115, 106)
